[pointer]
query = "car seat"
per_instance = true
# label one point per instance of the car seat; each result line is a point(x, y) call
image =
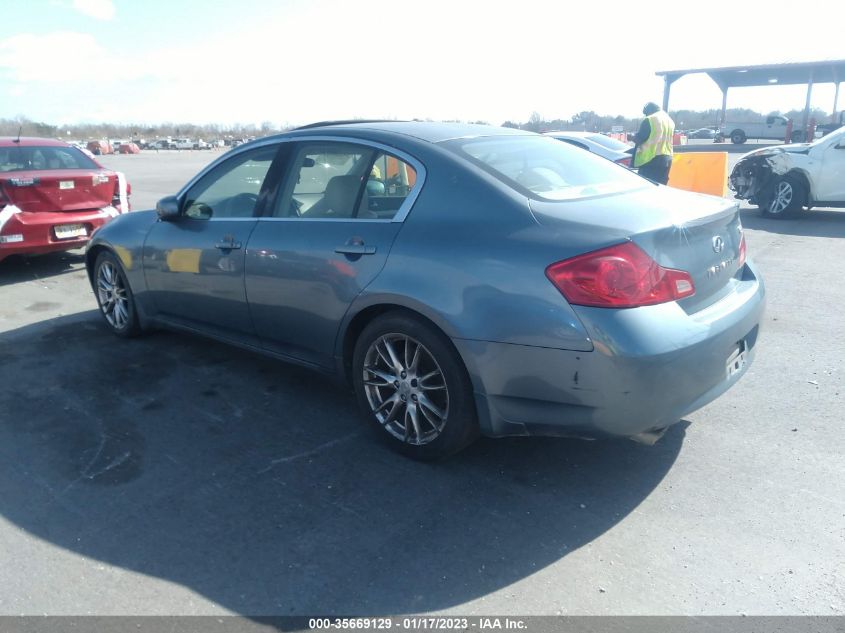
point(339, 199)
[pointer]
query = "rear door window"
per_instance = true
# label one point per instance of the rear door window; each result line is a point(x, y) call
point(335, 180)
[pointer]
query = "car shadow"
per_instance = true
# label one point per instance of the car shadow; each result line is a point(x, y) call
point(18, 268)
point(256, 485)
point(814, 223)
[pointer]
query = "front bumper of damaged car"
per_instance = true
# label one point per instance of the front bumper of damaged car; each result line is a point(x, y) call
point(754, 176)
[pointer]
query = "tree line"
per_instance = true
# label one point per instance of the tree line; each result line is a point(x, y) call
point(86, 131)
point(586, 121)
point(589, 121)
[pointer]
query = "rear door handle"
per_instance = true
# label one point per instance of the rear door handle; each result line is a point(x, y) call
point(227, 246)
point(355, 249)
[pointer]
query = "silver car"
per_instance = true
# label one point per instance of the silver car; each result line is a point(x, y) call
point(604, 146)
point(463, 279)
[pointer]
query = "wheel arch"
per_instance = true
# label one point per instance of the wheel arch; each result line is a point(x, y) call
point(354, 325)
point(739, 132)
point(91, 256)
point(356, 322)
point(124, 260)
point(804, 178)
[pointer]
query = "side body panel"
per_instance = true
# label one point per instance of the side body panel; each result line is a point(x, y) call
point(194, 280)
point(830, 176)
point(299, 288)
point(471, 258)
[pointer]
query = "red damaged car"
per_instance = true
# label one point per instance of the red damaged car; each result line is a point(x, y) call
point(53, 196)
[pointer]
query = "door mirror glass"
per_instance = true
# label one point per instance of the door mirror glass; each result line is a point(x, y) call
point(168, 208)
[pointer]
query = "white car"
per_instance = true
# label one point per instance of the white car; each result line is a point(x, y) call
point(784, 180)
point(604, 146)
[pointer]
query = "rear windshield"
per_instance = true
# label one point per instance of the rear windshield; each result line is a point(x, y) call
point(609, 143)
point(543, 167)
point(26, 158)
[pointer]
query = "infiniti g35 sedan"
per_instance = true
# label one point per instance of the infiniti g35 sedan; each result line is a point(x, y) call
point(465, 280)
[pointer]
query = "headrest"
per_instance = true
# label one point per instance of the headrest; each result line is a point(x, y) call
point(341, 192)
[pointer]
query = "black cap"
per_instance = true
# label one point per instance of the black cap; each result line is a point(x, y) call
point(650, 108)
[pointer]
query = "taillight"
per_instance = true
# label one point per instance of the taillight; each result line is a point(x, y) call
point(620, 276)
point(625, 162)
point(115, 197)
point(742, 251)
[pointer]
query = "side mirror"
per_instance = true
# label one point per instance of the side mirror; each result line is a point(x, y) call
point(168, 208)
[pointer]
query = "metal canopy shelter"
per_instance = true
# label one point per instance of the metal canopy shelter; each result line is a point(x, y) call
point(831, 71)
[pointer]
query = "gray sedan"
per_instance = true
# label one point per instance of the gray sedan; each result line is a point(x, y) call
point(463, 279)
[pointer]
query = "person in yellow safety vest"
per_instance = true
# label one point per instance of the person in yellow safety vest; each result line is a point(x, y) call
point(653, 149)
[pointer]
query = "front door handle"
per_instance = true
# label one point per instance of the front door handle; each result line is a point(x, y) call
point(227, 246)
point(355, 249)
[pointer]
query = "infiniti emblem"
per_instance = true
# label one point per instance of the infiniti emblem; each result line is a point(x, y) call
point(718, 244)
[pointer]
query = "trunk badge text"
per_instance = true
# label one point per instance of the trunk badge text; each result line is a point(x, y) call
point(718, 247)
point(718, 268)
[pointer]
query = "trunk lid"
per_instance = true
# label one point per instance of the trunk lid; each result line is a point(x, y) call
point(696, 233)
point(59, 189)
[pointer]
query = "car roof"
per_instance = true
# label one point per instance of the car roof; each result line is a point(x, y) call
point(433, 132)
point(30, 141)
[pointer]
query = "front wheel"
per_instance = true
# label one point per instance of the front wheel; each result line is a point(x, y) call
point(117, 304)
point(788, 198)
point(412, 386)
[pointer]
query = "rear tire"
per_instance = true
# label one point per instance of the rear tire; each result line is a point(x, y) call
point(787, 200)
point(413, 388)
point(114, 296)
point(738, 137)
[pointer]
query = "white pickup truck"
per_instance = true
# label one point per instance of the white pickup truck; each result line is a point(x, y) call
point(773, 129)
point(182, 143)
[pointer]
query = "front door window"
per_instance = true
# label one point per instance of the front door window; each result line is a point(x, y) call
point(231, 190)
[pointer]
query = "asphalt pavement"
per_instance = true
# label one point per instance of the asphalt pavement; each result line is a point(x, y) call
point(173, 475)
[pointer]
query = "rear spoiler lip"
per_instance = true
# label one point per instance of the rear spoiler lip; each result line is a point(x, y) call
point(725, 213)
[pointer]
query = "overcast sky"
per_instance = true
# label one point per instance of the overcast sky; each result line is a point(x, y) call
point(292, 61)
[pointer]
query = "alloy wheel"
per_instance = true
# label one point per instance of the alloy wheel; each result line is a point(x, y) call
point(782, 198)
point(406, 389)
point(111, 291)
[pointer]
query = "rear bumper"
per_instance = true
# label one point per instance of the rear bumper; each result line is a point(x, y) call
point(650, 367)
point(26, 233)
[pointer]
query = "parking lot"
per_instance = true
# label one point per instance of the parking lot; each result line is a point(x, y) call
point(173, 475)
